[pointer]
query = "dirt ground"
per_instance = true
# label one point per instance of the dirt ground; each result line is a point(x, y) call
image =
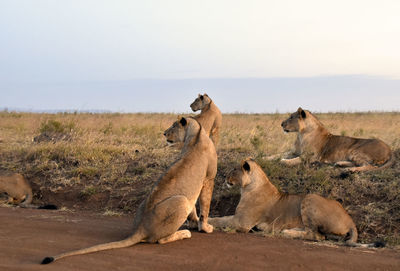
point(26, 236)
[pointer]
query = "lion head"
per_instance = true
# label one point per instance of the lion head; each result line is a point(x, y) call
point(176, 133)
point(243, 175)
point(295, 121)
point(200, 102)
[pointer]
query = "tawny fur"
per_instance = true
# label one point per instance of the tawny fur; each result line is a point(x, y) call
point(210, 117)
point(298, 216)
point(313, 139)
point(173, 197)
point(17, 188)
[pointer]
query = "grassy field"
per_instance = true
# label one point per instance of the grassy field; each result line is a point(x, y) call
point(109, 162)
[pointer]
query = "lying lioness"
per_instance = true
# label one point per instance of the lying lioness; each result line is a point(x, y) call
point(173, 197)
point(262, 206)
point(355, 153)
point(210, 117)
point(17, 189)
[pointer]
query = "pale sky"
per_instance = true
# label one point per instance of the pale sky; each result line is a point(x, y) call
point(93, 54)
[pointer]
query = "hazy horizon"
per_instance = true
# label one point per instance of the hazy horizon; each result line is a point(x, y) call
point(246, 95)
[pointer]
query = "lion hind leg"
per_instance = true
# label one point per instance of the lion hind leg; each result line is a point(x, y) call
point(179, 235)
point(362, 162)
point(314, 236)
point(167, 217)
point(295, 233)
point(306, 234)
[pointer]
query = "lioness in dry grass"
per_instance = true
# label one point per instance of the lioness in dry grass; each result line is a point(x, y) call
point(357, 154)
point(18, 190)
point(173, 197)
point(262, 206)
point(210, 117)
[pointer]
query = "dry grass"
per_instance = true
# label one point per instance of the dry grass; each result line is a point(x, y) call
point(110, 161)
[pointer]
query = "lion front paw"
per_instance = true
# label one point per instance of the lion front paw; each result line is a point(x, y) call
point(205, 227)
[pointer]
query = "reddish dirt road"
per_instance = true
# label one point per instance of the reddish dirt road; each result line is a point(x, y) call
point(26, 236)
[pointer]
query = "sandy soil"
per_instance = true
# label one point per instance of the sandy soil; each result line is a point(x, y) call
point(26, 236)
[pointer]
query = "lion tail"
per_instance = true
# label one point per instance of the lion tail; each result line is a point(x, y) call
point(352, 235)
point(352, 240)
point(130, 241)
point(377, 244)
point(48, 207)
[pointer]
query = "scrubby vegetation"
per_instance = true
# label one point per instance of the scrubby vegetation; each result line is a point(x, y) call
point(109, 162)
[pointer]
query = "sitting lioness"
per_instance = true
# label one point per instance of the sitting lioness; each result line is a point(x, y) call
point(18, 190)
point(262, 206)
point(357, 154)
point(210, 117)
point(173, 197)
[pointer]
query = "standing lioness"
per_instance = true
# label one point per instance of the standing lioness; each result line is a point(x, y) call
point(357, 154)
point(174, 195)
point(298, 216)
point(210, 117)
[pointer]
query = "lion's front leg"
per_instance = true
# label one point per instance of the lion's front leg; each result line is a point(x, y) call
point(205, 201)
point(214, 135)
point(291, 162)
point(235, 222)
point(296, 151)
point(361, 168)
point(344, 164)
point(224, 222)
point(265, 227)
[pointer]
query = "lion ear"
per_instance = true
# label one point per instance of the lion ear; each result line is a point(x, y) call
point(201, 97)
point(301, 112)
point(246, 166)
point(183, 121)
